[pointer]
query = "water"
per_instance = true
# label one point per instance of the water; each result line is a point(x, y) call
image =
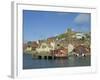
point(72, 61)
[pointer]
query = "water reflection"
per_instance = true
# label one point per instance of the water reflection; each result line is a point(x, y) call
point(72, 61)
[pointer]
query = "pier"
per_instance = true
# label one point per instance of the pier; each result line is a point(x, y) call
point(52, 54)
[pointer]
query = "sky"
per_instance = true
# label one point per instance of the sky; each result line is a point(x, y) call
point(39, 25)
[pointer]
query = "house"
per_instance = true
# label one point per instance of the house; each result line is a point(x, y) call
point(81, 50)
point(70, 49)
point(28, 49)
point(34, 45)
point(44, 47)
point(59, 53)
point(79, 36)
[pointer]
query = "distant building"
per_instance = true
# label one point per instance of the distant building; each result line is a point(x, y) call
point(81, 50)
point(70, 48)
point(44, 47)
point(78, 36)
point(34, 45)
point(29, 48)
point(60, 53)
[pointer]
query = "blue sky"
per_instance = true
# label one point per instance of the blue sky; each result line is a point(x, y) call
point(43, 24)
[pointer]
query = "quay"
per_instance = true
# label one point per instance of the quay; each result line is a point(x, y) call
point(53, 54)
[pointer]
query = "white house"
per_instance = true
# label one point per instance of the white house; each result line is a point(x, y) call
point(44, 47)
point(70, 48)
point(79, 35)
point(28, 49)
point(53, 45)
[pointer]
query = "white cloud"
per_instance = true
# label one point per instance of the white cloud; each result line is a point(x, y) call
point(82, 18)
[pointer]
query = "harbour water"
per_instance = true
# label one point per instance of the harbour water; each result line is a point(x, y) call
point(72, 61)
